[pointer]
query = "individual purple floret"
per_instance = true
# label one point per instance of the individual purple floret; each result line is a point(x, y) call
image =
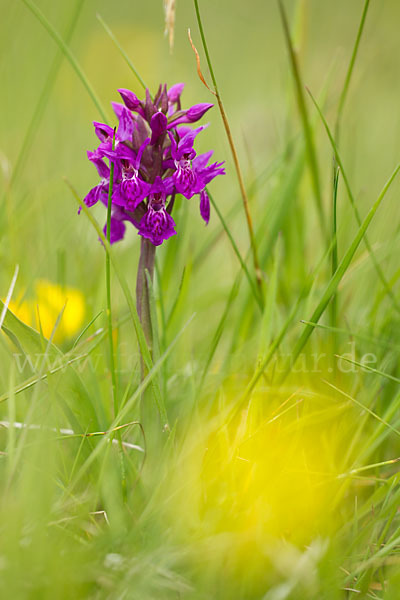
point(154, 160)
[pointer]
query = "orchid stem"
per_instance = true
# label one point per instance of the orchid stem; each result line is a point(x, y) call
point(146, 264)
point(234, 153)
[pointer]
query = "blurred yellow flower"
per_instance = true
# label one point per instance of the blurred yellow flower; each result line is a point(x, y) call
point(270, 475)
point(46, 305)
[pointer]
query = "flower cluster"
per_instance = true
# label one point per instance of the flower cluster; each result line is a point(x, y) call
point(153, 160)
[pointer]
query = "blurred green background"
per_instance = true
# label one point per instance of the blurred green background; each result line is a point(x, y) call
point(252, 68)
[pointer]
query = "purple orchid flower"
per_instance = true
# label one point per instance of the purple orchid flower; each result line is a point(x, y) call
point(193, 114)
point(125, 118)
point(174, 93)
point(154, 159)
point(132, 189)
point(205, 206)
point(157, 224)
point(97, 191)
point(185, 177)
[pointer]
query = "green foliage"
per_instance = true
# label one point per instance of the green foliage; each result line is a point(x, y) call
point(98, 504)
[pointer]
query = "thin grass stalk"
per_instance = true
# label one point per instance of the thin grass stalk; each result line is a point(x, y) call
point(152, 372)
point(339, 273)
point(122, 52)
point(233, 151)
point(36, 118)
point(144, 350)
point(335, 179)
point(42, 374)
point(69, 55)
point(44, 96)
point(377, 266)
point(349, 73)
point(256, 291)
point(108, 289)
point(110, 327)
point(309, 141)
point(334, 257)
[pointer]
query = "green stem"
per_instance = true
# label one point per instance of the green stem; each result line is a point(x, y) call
point(146, 263)
point(148, 413)
point(234, 153)
point(110, 327)
point(339, 163)
point(345, 89)
point(44, 97)
point(122, 52)
point(67, 52)
point(36, 118)
point(308, 134)
point(108, 289)
point(334, 253)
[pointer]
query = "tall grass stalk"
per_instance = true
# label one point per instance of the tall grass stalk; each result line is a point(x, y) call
point(68, 54)
point(233, 151)
point(339, 273)
point(371, 252)
point(143, 346)
point(108, 290)
point(110, 327)
point(308, 134)
point(346, 85)
point(122, 52)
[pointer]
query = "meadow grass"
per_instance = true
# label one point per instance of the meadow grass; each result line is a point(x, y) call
point(252, 452)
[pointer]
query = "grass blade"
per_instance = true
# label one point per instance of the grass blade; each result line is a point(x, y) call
point(231, 145)
point(355, 209)
point(368, 368)
point(128, 296)
point(349, 73)
point(341, 270)
point(256, 293)
point(68, 54)
point(312, 158)
point(122, 52)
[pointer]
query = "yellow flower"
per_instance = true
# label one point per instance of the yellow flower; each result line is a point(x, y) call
point(46, 305)
point(265, 480)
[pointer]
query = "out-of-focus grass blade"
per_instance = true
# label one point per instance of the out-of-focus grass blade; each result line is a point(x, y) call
point(128, 405)
point(44, 96)
point(366, 408)
point(181, 293)
point(349, 73)
point(270, 305)
point(122, 52)
point(84, 330)
point(125, 288)
point(34, 380)
point(378, 269)
point(156, 345)
point(351, 333)
point(27, 339)
point(9, 296)
point(221, 325)
point(231, 142)
point(341, 270)
point(288, 197)
point(368, 368)
point(312, 157)
point(236, 250)
point(67, 52)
